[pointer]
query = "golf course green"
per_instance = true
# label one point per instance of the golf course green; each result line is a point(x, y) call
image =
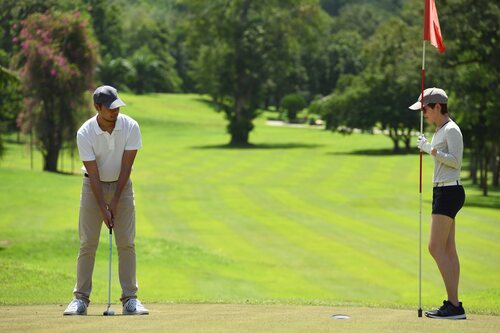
point(222, 318)
point(302, 217)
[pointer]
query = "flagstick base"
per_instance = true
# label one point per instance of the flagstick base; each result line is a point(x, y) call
point(419, 313)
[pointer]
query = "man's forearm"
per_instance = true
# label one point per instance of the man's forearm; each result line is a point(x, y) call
point(122, 181)
point(95, 184)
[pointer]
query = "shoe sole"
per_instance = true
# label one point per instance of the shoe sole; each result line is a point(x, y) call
point(457, 317)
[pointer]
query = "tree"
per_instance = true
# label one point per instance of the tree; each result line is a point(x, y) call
point(363, 19)
point(379, 96)
point(339, 52)
point(344, 53)
point(241, 44)
point(117, 72)
point(12, 12)
point(10, 102)
point(393, 72)
point(10, 99)
point(303, 67)
point(472, 58)
point(348, 107)
point(107, 26)
point(57, 62)
point(148, 39)
point(292, 104)
point(333, 7)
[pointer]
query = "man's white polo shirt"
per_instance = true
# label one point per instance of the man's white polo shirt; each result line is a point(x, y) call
point(107, 149)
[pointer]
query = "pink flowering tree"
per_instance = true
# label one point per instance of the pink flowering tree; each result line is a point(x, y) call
point(57, 59)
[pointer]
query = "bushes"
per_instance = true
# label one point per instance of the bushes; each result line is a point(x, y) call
point(293, 104)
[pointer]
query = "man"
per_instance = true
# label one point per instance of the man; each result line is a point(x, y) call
point(448, 197)
point(107, 144)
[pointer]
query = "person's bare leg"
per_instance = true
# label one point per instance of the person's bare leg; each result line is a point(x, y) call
point(451, 250)
point(442, 249)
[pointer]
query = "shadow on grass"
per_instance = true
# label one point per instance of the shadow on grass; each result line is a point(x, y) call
point(260, 146)
point(377, 152)
point(211, 104)
point(69, 173)
point(11, 139)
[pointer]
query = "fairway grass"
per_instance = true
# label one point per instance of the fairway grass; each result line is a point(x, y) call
point(208, 318)
point(302, 217)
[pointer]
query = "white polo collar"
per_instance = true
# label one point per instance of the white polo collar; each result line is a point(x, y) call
point(99, 131)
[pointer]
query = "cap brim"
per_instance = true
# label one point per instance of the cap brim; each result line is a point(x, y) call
point(116, 104)
point(416, 106)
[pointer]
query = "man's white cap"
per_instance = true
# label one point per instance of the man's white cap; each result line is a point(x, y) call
point(431, 95)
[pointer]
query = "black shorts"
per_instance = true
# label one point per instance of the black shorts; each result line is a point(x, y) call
point(447, 200)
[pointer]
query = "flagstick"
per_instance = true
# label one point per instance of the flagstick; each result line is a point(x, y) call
point(420, 211)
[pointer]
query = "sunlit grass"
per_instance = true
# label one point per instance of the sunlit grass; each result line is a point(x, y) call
point(304, 216)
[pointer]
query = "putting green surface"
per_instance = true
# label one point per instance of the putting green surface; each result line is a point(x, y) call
point(303, 217)
point(220, 318)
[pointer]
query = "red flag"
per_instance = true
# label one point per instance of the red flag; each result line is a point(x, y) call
point(432, 31)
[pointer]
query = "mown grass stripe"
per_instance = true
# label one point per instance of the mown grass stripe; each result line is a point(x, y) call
point(336, 252)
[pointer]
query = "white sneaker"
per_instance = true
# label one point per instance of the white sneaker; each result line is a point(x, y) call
point(76, 307)
point(134, 307)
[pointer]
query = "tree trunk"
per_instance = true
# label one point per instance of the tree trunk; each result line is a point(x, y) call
point(407, 139)
point(396, 145)
point(496, 180)
point(495, 164)
point(50, 134)
point(485, 184)
point(52, 149)
point(483, 151)
point(483, 174)
point(267, 102)
point(51, 158)
point(240, 118)
point(473, 167)
point(239, 138)
point(395, 139)
point(240, 125)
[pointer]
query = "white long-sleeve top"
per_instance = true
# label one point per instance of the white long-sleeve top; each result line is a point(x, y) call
point(448, 160)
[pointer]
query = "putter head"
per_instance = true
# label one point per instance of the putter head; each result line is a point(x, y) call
point(108, 312)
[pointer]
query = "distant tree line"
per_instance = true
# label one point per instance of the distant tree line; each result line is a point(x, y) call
point(378, 94)
point(355, 64)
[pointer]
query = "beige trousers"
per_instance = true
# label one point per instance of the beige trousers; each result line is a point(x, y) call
point(90, 225)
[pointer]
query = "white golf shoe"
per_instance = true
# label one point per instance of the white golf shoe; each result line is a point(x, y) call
point(134, 307)
point(76, 307)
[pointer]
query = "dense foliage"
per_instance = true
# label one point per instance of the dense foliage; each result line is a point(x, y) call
point(245, 50)
point(57, 59)
point(11, 99)
point(293, 104)
point(358, 62)
point(472, 65)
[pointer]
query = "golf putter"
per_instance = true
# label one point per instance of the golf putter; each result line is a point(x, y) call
point(109, 312)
